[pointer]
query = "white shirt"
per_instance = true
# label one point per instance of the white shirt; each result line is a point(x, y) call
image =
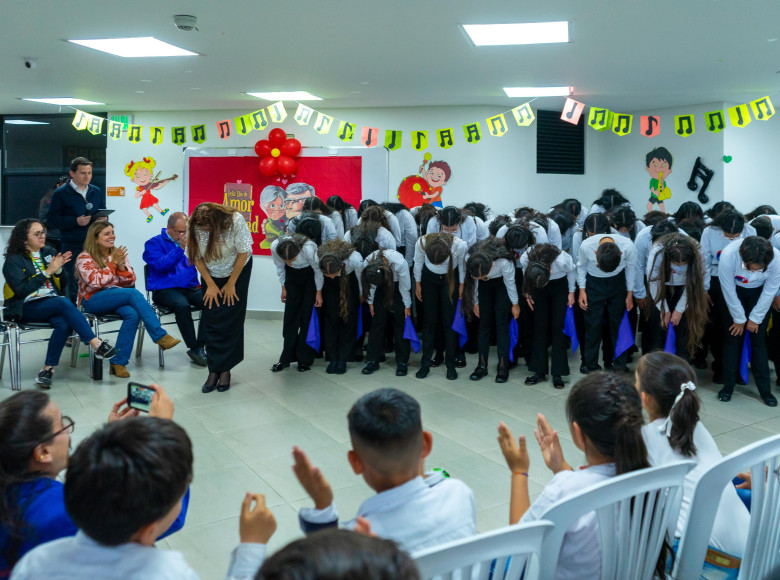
point(78, 556)
point(587, 261)
point(384, 239)
point(458, 251)
point(83, 191)
point(732, 521)
point(350, 217)
point(483, 233)
point(733, 274)
point(677, 275)
point(236, 240)
point(328, 227)
point(306, 258)
point(400, 270)
point(418, 514)
point(409, 233)
point(553, 234)
point(562, 266)
point(338, 224)
point(395, 228)
point(503, 268)
point(580, 555)
point(467, 231)
point(713, 241)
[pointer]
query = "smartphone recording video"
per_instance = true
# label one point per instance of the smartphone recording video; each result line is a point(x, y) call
point(139, 396)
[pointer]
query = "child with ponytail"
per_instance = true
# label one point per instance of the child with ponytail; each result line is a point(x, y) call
point(604, 412)
point(549, 280)
point(667, 386)
point(341, 266)
point(490, 294)
point(298, 269)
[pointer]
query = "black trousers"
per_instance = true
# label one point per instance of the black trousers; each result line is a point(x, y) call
point(525, 337)
point(223, 325)
point(179, 300)
point(549, 313)
point(773, 340)
point(438, 310)
point(713, 333)
point(379, 324)
point(301, 291)
point(657, 334)
point(732, 345)
point(494, 312)
point(606, 299)
point(339, 335)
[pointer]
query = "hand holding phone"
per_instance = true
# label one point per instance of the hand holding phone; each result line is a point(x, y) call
point(150, 399)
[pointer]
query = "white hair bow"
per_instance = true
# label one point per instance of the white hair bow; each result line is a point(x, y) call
point(666, 428)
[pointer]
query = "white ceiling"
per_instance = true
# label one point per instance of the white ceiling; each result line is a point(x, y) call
point(625, 55)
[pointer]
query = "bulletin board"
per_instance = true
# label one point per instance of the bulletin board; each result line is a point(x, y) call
point(354, 173)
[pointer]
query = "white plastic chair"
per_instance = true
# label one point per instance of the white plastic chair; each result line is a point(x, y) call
point(472, 558)
point(762, 552)
point(634, 511)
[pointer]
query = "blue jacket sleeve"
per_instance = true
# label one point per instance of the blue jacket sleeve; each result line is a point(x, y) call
point(179, 521)
point(161, 256)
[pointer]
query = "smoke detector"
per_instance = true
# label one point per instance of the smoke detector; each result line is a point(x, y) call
point(185, 22)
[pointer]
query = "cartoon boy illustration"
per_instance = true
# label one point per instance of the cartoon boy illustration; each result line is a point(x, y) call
point(659, 165)
point(272, 203)
point(140, 172)
point(295, 195)
point(437, 175)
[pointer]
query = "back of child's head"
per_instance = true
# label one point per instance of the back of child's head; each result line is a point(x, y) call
point(364, 205)
point(289, 246)
point(610, 198)
point(450, 216)
point(731, 222)
point(386, 430)
point(478, 264)
point(763, 227)
point(537, 273)
point(571, 205)
point(719, 207)
point(608, 411)
point(608, 256)
point(689, 210)
point(671, 382)
point(519, 236)
point(334, 554)
point(693, 227)
point(437, 247)
point(477, 209)
point(653, 217)
point(760, 210)
point(498, 222)
point(624, 217)
point(127, 475)
point(756, 251)
point(424, 214)
point(309, 225)
point(595, 223)
point(315, 204)
point(562, 218)
point(663, 228)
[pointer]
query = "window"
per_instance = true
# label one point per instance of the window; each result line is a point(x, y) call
point(560, 146)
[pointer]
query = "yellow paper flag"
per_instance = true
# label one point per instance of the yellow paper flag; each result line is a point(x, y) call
point(346, 131)
point(684, 125)
point(243, 124)
point(420, 140)
point(739, 116)
point(762, 109)
point(444, 138)
point(599, 119)
point(134, 133)
point(95, 125)
point(393, 139)
point(80, 120)
point(472, 132)
point(523, 115)
point(179, 135)
point(277, 112)
point(323, 123)
point(198, 133)
point(497, 125)
point(115, 130)
point(716, 122)
point(621, 124)
point(156, 135)
point(259, 119)
point(303, 114)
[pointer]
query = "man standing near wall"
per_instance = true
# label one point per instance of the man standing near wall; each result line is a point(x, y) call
point(72, 211)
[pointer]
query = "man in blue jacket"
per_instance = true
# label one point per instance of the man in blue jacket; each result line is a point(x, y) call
point(72, 211)
point(174, 282)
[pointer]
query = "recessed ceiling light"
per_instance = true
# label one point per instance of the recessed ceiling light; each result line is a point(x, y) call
point(287, 96)
point(530, 33)
point(24, 122)
point(538, 91)
point(64, 101)
point(145, 46)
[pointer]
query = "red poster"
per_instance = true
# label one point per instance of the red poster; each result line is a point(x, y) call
point(327, 175)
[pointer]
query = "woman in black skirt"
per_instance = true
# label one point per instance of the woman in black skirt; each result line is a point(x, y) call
point(220, 246)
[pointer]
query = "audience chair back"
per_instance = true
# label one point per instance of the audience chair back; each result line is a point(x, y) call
point(12, 342)
point(635, 512)
point(499, 555)
point(762, 553)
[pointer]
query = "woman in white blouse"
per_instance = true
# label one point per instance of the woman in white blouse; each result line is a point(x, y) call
point(220, 246)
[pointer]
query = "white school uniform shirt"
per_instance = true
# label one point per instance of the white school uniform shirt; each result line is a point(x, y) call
point(467, 231)
point(501, 268)
point(408, 233)
point(458, 250)
point(638, 227)
point(395, 228)
point(483, 233)
point(576, 242)
point(732, 520)
point(305, 258)
point(400, 270)
point(338, 224)
point(713, 241)
point(350, 218)
point(580, 555)
point(562, 266)
point(418, 514)
point(554, 234)
point(328, 229)
point(355, 263)
point(732, 273)
point(81, 557)
point(587, 261)
point(677, 275)
point(776, 241)
point(384, 239)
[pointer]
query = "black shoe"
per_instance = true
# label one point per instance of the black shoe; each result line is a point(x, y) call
point(585, 369)
point(534, 379)
point(331, 370)
point(279, 367)
point(502, 375)
point(452, 374)
point(717, 378)
point(224, 382)
point(422, 372)
point(769, 400)
point(302, 368)
point(479, 373)
point(44, 378)
point(558, 382)
point(105, 350)
point(371, 366)
point(438, 358)
point(401, 369)
point(198, 356)
point(724, 397)
point(211, 382)
point(460, 361)
point(341, 367)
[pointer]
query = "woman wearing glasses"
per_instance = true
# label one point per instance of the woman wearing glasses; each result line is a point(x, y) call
point(33, 293)
point(36, 441)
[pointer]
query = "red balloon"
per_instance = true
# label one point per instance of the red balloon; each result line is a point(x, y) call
point(277, 137)
point(291, 147)
point(263, 148)
point(286, 165)
point(267, 166)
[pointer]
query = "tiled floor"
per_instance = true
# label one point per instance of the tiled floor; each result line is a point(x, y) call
point(243, 438)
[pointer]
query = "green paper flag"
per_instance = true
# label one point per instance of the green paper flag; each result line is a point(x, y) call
point(134, 133)
point(684, 125)
point(739, 116)
point(621, 124)
point(444, 138)
point(198, 133)
point(277, 112)
point(259, 119)
point(393, 140)
point(243, 124)
point(420, 140)
point(179, 135)
point(472, 132)
point(523, 115)
point(716, 122)
point(95, 125)
point(156, 135)
point(346, 131)
point(303, 114)
point(115, 130)
point(80, 120)
point(323, 123)
point(497, 125)
point(599, 119)
point(762, 109)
